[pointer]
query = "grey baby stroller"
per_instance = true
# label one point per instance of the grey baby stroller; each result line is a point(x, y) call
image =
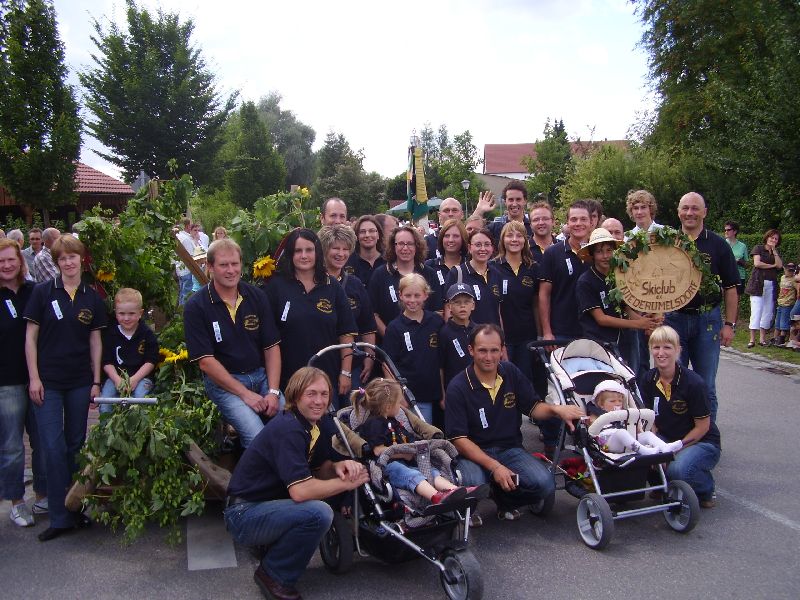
point(605, 482)
point(396, 525)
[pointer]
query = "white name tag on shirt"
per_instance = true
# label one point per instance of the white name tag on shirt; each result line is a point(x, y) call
point(482, 415)
point(285, 312)
point(458, 348)
point(477, 291)
point(603, 299)
point(655, 405)
point(57, 310)
point(11, 308)
point(392, 293)
point(569, 265)
point(217, 332)
point(407, 338)
point(441, 277)
point(505, 287)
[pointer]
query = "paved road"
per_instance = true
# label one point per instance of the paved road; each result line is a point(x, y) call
point(747, 547)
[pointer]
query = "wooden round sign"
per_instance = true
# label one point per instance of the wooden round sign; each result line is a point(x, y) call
point(661, 280)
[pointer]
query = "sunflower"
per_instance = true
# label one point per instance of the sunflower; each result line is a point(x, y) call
point(104, 276)
point(182, 355)
point(264, 267)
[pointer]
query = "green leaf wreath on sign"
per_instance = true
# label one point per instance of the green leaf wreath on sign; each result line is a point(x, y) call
point(640, 243)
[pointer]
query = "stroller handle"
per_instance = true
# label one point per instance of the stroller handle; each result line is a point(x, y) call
point(562, 341)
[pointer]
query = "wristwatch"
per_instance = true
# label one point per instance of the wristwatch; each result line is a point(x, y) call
point(729, 324)
point(347, 374)
point(274, 392)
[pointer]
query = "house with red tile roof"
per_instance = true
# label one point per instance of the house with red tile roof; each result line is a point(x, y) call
point(92, 187)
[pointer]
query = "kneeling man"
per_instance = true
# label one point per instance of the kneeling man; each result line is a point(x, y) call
point(483, 416)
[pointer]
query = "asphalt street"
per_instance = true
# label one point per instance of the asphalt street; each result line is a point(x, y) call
point(746, 547)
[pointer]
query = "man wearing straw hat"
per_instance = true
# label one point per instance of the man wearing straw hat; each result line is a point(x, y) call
point(598, 317)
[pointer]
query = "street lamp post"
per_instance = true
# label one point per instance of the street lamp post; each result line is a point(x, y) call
point(465, 185)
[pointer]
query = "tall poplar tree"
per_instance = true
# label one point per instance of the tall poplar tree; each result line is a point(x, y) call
point(39, 126)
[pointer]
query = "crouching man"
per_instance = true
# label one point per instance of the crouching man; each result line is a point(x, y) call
point(276, 493)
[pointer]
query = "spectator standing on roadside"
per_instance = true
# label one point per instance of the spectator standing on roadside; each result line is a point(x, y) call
point(739, 250)
point(762, 286)
point(29, 253)
point(184, 236)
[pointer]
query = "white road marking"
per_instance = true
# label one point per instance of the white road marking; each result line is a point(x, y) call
point(757, 508)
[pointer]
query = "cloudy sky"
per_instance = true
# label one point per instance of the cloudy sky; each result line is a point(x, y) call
point(375, 71)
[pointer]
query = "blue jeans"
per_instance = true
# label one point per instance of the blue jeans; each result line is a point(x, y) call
point(16, 415)
point(184, 288)
point(244, 419)
point(405, 477)
point(699, 334)
point(693, 465)
point(535, 480)
point(62, 431)
point(426, 408)
point(110, 391)
point(782, 320)
point(290, 530)
point(521, 357)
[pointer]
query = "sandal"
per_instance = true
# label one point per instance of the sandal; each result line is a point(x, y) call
point(763, 344)
point(751, 344)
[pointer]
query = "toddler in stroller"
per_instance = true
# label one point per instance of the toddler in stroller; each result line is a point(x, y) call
point(382, 429)
point(610, 396)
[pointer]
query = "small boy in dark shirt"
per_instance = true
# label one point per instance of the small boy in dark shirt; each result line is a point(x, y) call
point(129, 349)
point(454, 356)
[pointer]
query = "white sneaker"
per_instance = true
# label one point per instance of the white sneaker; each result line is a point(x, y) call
point(40, 507)
point(21, 515)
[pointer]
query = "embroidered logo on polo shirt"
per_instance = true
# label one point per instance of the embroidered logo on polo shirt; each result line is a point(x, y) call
point(496, 290)
point(349, 270)
point(325, 306)
point(85, 316)
point(353, 304)
point(509, 400)
point(526, 281)
point(433, 340)
point(679, 407)
point(140, 349)
point(251, 322)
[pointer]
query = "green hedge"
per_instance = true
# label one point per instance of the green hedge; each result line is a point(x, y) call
point(789, 248)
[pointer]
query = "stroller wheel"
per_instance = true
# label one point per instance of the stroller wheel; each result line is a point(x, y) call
point(543, 507)
point(682, 518)
point(462, 578)
point(336, 547)
point(595, 521)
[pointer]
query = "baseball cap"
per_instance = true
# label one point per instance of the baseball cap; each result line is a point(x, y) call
point(459, 288)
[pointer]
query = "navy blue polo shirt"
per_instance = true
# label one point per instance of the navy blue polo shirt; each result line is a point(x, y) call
point(496, 227)
point(537, 251)
point(592, 292)
point(13, 368)
point(723, 264)
point(361, 268)
point(384, 291)
point(519, 293)
point(308, 322)
point(64, 327)
point(129, 354)
point(442, 271)
point(471, 413)
point(385, 431)
point(487, 291)
point(414, 348)
point(432, 241)
point(360, 304)
point(688, 401)
point(239, 346)
point(561, 267)
point(279, 456)
point(454, 354)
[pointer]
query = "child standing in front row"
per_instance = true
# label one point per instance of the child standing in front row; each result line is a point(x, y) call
point(609, 396)
point(412, 342)
point(454, 356)
point(129, 349)
point(382, 398)
point(787, 295)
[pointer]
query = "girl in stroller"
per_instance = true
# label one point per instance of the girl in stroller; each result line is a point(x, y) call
point(382, 399)
point(610, 395)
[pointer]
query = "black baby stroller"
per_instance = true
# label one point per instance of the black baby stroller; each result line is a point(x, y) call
point(575, 370)
point(394, 525)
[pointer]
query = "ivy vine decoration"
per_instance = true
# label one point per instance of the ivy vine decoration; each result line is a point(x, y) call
point(640, 243)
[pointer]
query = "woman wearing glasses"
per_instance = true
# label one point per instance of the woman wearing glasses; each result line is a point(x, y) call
point(405, 253)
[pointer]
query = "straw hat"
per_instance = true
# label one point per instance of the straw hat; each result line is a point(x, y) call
point(599, 236)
